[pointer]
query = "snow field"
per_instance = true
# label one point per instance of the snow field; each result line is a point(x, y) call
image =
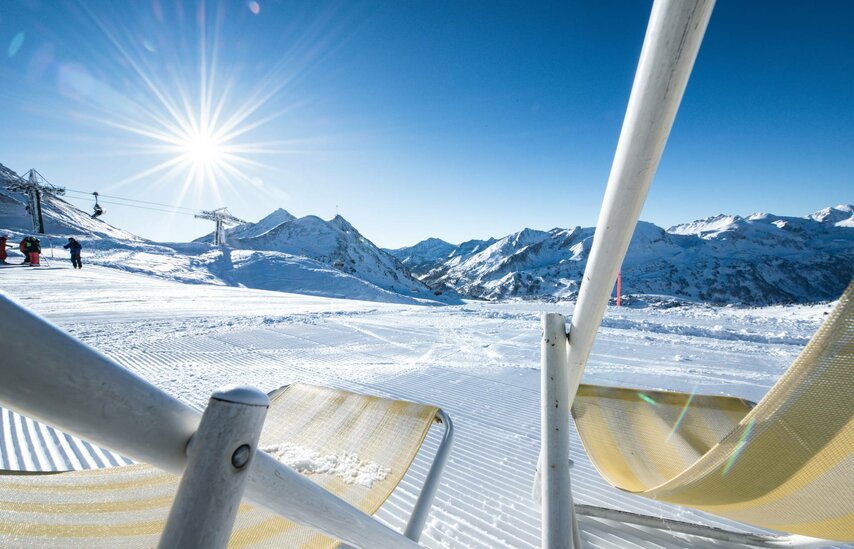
point(479, 362)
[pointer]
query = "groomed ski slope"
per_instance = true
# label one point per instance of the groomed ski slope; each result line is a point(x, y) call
point(478, 361)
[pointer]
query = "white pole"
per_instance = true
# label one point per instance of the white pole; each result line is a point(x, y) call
point(557, 514)
point(67, 384)
point(672, 41)
point(673, 38)
point(218, 460)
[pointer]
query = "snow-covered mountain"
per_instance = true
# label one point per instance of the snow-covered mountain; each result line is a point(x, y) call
point(841, 215)
point(425, 255)
point(297, 267)
point(334, 243)
point(435, 252)
point(757, 260)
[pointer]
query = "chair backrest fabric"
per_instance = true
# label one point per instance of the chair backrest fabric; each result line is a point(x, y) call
point(786, 464)
point(357, 447)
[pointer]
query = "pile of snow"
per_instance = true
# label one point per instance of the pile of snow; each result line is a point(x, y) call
point(347, 466)
point(199, 263)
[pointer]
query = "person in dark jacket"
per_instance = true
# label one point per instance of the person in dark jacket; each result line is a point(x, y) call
point(74, 247)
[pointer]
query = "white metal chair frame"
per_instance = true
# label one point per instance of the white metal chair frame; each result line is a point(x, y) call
point(671, 44)
point(81, 391)
point(113, 407)
point(672, 41)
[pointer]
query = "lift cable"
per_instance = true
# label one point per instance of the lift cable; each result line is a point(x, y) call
point(100, 195)
point(173, 211)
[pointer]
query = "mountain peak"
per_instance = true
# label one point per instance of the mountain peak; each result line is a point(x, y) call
point(281, 212)
point(529, 236)
point(425, 254)
point(267, 223)
point(433, 241)
point(711, 225)
point(341, 223)
point(833, 214)
point(275, 218)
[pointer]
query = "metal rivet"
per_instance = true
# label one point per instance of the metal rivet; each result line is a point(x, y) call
point(241, 456)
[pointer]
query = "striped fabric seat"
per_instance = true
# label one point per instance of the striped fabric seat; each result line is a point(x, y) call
point(357, 447)
point(786, 464)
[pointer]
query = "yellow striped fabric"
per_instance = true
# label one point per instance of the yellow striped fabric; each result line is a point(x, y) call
point(786, 464)
point(127, 506)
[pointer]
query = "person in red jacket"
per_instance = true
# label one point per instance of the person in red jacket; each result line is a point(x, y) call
point(3, 238)
point(31, 248)
point(23, 247)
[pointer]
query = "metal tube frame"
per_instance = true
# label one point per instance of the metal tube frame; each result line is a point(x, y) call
point(424, 502)
point(82, 392)
point(671, 44)
point(218, 460)
point(555, 483)
point(418, 517)
point(672, 41)
point(699, 530)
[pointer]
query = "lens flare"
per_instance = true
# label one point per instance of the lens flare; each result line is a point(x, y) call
point(742, 442)
point(682, 414)
point(16, 44)
point(648, 399)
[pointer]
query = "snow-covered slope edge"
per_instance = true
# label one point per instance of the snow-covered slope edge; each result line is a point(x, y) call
point(201, 263)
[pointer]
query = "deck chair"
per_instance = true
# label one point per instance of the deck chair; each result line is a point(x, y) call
point(127, 506)
point(785, 464)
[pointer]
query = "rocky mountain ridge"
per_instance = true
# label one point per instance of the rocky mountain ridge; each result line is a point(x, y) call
point(760, 259)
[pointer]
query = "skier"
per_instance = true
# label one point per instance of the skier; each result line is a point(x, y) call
point(74, 247)
point(3, 246)
point(31, 248)
point(24, 247)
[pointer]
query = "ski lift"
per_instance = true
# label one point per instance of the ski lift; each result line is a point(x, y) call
point(97, 209)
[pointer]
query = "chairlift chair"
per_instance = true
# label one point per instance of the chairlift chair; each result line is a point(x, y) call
point(97, 210)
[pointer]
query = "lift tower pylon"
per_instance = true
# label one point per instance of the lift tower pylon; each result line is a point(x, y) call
point(222, 218)
point(35, 186)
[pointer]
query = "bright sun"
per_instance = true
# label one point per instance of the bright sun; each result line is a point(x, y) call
point(197, 128)
point(202, 149)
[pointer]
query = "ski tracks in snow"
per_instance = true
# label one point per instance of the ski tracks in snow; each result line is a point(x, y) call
point(480, 363)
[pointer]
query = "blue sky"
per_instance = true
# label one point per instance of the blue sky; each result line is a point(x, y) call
point(452, 119)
